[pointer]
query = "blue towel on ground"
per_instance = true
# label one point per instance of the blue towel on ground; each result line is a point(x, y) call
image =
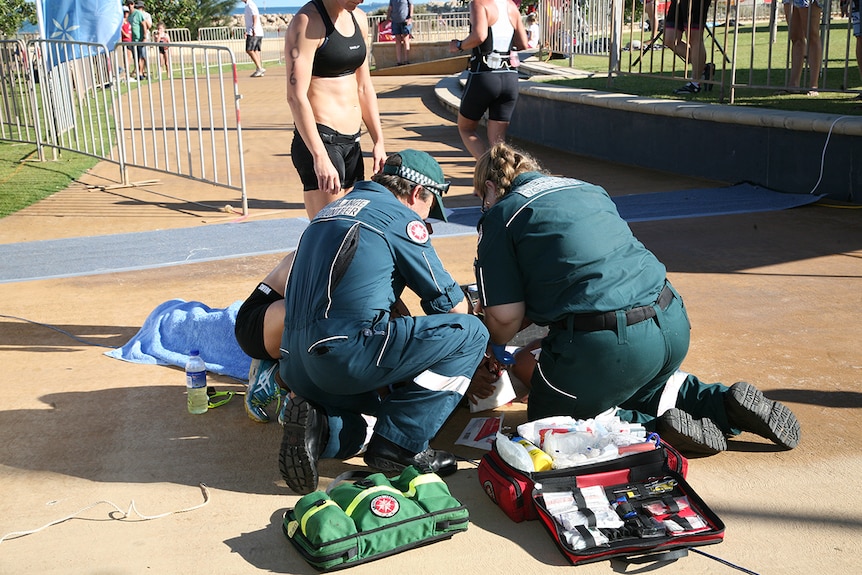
point(176, 327)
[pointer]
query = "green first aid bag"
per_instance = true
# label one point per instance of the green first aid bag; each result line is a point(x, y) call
point(360, 519)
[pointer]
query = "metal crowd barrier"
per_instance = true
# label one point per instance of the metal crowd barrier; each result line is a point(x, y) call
point(184, 119)
point(272, 47)
point(428, 27)
point(221, 33)
point(17, 102)
point(74, 93)
point(179, 34)
point(733, 41)
point(179, 116)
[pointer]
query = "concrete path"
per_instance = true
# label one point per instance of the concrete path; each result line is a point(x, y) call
point(774, 299)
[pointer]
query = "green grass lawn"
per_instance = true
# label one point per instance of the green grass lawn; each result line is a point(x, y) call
point(24, 180)
point(660, 72)
point(661, 87)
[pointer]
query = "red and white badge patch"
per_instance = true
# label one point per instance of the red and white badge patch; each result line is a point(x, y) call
point(417, 231)
point(384, 506)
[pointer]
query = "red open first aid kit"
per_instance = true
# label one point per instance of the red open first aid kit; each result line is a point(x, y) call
point(630, 503)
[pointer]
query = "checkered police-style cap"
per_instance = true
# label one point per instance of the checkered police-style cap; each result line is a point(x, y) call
point(423, 170)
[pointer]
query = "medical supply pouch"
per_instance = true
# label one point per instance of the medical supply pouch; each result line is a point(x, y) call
point(637, 520)
point(364, 519)
point(511, 488)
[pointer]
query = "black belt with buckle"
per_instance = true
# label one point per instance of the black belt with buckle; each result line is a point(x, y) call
point(608, 319)
point(339, 138)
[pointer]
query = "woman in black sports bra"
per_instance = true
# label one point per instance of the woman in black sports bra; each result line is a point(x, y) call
point(330, 94)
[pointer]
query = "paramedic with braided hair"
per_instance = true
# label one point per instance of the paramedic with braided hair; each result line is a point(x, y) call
point(556, 251)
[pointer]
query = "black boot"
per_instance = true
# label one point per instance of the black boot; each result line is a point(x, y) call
point(689, 435)
point(386, 456)
point(749, 410)
point(306, 431)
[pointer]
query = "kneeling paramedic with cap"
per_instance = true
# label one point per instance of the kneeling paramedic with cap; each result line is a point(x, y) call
point(341, 344)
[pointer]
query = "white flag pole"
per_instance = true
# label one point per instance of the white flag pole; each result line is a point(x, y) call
point(40, 19)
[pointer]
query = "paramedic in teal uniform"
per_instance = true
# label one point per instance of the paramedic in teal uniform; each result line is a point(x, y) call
point(555, 252)
point(341, 344)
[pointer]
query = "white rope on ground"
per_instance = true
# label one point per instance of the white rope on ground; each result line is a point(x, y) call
point(130, 514)
point(823, 154)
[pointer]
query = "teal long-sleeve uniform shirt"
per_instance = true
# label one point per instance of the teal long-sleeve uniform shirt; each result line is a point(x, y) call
point(340, 344)
point(560, 246)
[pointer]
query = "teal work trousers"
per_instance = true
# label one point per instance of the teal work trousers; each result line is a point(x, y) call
point(583, 373)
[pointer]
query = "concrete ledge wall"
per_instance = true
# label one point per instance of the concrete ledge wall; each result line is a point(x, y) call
point(384, 52)
point(776, 149)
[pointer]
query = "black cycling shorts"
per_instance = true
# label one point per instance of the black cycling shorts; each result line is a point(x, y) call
point(250, 319)
point(679, 18)
point(343, 150)
point(495, 91)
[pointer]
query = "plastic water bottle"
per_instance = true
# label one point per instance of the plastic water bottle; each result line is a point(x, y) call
point(196, 383)
point(514, 59)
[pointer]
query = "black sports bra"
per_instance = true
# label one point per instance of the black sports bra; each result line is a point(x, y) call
point(338, 55)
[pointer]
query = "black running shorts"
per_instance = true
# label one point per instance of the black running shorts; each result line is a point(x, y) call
point(494, 91)
point(250, 319)
point(679, 18)
point(344, 151)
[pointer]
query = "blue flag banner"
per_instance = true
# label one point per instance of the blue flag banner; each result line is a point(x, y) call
point(97, 21)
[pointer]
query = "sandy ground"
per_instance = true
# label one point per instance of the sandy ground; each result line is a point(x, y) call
point(773, 298)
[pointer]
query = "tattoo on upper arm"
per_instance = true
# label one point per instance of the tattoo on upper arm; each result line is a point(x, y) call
point(294, 56)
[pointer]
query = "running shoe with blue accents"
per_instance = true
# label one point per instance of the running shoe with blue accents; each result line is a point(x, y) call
point(263, 389)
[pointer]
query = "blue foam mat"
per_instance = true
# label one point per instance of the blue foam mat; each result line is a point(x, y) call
point(738, 199)
point(72, 257)
point(702, 202)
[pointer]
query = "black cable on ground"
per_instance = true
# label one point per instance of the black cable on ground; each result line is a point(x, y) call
point(722, 561)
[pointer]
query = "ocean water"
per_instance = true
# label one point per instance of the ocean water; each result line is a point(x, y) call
point(262, 6)
point(267, 9)
point(238, 11)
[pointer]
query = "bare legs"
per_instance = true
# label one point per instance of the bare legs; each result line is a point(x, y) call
point(475, 145)
point(649, 9)
point(804, 24)
point(316, 200)
point(402, 48)
point(255, 57)
point(691, 51)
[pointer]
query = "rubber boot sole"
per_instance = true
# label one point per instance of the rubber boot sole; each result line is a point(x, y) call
point(749, 410)
point(297, 465)
point(691, 436)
